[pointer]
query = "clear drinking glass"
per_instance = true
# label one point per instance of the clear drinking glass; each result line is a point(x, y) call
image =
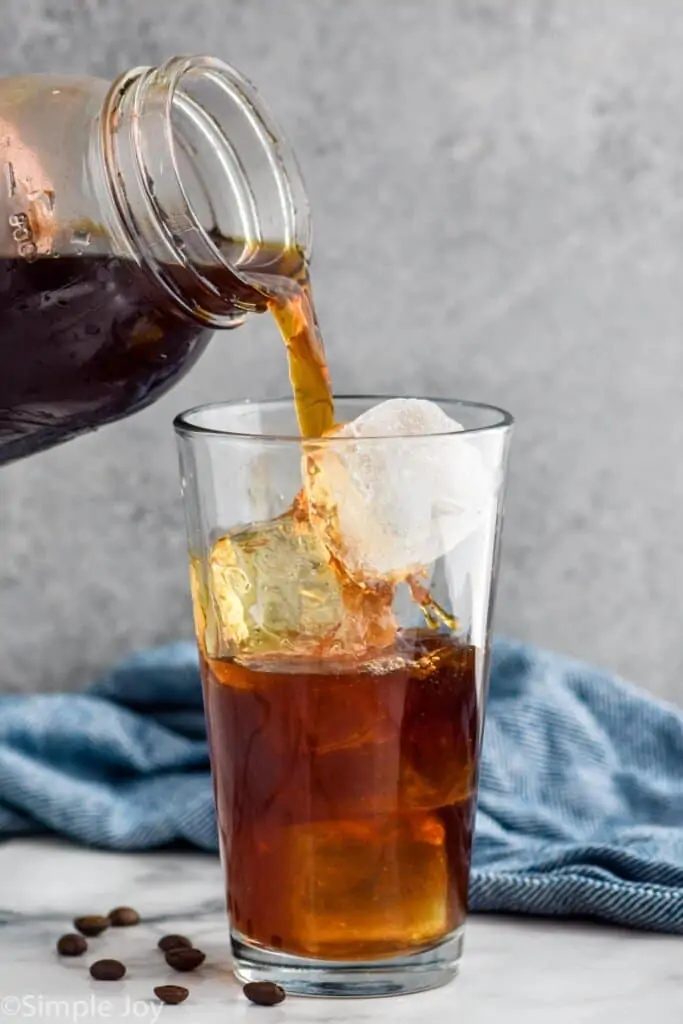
point(342, 595)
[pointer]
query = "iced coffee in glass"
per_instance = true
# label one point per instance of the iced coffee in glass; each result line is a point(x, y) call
point(342, 590)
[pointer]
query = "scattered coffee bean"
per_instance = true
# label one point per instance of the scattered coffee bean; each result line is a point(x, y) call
point(123, 917)
point(182, 959)
point(71, 945)
point(107, 970)
point(174, 942)
point(264, 993)
point(171, 994)
point(91, 924)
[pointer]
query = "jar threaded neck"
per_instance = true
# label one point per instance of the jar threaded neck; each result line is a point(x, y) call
point(203, 185)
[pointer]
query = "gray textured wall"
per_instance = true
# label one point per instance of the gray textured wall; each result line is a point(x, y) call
point(497, 188)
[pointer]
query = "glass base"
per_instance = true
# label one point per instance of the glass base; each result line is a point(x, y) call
point(301, 976)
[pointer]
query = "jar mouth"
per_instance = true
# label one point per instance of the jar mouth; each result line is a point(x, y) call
point(203, 181)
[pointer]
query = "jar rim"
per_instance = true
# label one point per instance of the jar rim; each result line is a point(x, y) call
point(195, 132)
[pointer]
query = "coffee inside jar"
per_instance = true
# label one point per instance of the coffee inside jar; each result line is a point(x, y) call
point(88, 339)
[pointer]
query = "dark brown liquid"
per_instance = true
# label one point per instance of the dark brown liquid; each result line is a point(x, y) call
point(85, 340)
point(346, 797)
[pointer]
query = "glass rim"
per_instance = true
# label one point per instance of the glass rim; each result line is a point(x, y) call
point(184, 427)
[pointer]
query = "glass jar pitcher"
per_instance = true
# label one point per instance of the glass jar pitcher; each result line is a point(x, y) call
point(135, 218)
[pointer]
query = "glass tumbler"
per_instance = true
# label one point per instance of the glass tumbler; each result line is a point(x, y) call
point(342, 591)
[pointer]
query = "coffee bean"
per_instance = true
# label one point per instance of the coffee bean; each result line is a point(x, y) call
point(123, 917)
point(71, 945)
point(91, 924)
point(107, 970)
point(264, 993)
point(182, 959)
point(171, 994)
point(174, 942)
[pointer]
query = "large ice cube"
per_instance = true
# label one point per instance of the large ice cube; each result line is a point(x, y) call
point(377, 883)
point(271, 589)
point(271, 586)
point(386, 506)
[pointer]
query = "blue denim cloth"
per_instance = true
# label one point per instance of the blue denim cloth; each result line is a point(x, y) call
point(581, 785)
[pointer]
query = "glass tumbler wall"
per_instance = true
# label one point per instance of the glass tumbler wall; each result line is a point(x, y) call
point(342, 593)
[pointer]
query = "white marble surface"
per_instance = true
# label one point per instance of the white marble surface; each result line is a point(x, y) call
point(514, 969)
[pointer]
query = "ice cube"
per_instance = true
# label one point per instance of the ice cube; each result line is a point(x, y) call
point(377, 883)
point(386, 507)
point(271, 589)
point(271, 584)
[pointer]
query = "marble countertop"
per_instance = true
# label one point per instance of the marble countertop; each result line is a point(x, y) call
point(514, 969)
